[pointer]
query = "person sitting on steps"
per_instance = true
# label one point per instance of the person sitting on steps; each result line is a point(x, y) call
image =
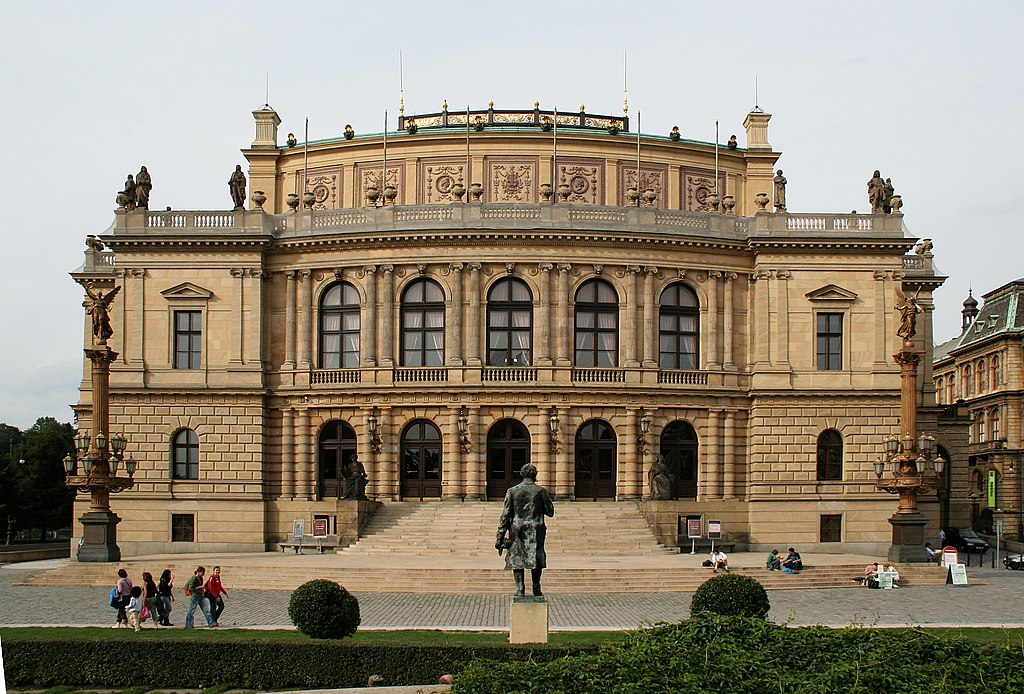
point(719, 561)
point(773, 562)
point(793, 562)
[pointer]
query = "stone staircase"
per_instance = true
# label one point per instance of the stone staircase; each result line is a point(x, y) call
point(408, 547)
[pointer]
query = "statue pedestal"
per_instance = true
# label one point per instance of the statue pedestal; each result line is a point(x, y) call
point(907, 538)
point(99, 537)
point(528, 620)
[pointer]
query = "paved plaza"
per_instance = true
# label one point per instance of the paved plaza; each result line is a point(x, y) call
point(996, 602)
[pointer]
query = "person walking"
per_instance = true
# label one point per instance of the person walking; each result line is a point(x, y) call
point(135, 608)
point(194, 591)
point(163, 591)
point(124, 591)
point(214, 591)
point(152, 599)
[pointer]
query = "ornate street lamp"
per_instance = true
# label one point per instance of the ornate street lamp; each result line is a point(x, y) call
point(645, 426)
point(553, 427)
point(99, 463)
point(372, 423)
point(463, 424)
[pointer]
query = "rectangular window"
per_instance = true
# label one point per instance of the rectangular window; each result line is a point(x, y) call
point(188, 339)
point(183, 527)
point(830, 341)
point(832, 528)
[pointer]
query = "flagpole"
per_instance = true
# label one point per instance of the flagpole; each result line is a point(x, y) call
point(638, 191)
point(466, 177)
point(305, 159)
point(384, 170)
point(554, 159)
point(716, 163)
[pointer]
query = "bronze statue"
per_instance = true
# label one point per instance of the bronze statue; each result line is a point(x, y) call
point(887, 193)
point(876, 193)
point(237, 186)
point(129, 192)
point(97, 306)
point(732, 144)
point(143, 186)
point(521, 529)
point(355, 478)
point(780, 191)
point(908, 318)
point(659, 479)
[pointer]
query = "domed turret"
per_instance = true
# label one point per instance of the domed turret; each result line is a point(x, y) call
point(970, 311)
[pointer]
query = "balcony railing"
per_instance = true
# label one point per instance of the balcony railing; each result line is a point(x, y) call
point(683, 378)
point(328, 376)
point(598, 376)
point(416, 375)
point(511, 374)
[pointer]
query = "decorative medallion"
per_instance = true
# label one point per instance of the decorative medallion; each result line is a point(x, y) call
point(511, 180)
point(585, 178)
point(697, 186)
point(439, 177)
point(323, 184)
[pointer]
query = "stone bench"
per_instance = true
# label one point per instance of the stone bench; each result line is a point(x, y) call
point(321, 547)
point(703, 545)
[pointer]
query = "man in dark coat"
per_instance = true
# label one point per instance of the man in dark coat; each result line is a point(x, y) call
point(521, 529)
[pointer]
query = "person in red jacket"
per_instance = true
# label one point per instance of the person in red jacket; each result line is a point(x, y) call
point(214, 590)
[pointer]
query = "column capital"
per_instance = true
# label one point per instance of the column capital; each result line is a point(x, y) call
point(650, 270)
point(564, 267)
point(456, 267)
point(386, 268)
point(545, 267)
point(237, 272)
point(367, 270)
point(304, 274)
point(474, 267)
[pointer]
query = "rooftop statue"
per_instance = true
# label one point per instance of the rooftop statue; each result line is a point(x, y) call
point(876, 193)
point(521, 529)
point(908, 318)
point(887, 193)
point(237, 186)
point(143, 186)
point(129, 193)
point(97, 306)
point(780, 191)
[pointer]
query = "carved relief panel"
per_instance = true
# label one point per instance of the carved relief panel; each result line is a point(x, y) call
point(368, 173)
point(511, 180)
point(585, 178)
point(325, 184)
point(651, 176)
point(696, 184)
point(437, 177)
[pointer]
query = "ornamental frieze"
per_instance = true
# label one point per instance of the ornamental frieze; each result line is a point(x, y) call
point(585, 178)
point(651, 176)
point(325, 185)
point(438, 178)
point(696, 186)
point(511, 180)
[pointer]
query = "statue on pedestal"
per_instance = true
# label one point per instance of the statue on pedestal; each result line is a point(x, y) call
point(143, 186)
point(97, 305)
point(908, 318)
point(356, 479)
point(780, 191)
point(876, 193)
point(659, 479)
point(237, 186)
point(129, 192)
point(521, 529)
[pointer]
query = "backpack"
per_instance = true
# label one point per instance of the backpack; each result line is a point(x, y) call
point(115, 598)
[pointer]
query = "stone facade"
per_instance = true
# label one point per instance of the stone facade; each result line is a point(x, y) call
point(657, 328)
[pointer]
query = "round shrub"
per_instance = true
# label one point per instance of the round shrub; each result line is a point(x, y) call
point(732, 595)
point(322, 609)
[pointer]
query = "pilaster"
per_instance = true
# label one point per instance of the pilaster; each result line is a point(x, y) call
point(456, 338)
point(369, 343)
point(387, 318)
point(544, 321)
point(473, 351)
point(650, 332)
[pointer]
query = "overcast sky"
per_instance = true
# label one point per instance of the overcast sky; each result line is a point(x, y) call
point(926, 92)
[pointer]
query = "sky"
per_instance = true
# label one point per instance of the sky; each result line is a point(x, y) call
point(925, 92)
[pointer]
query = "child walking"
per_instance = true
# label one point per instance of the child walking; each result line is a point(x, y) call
point(135, 608)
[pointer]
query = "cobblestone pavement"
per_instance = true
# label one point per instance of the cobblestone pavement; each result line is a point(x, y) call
point(996, 603)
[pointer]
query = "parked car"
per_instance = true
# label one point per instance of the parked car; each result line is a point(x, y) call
point(965, 540)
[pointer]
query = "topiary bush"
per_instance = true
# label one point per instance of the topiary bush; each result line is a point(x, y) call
point(322, 609)
point(731, 595)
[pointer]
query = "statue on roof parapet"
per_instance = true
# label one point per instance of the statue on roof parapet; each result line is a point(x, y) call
point(780, 191)
point(143, 187)
point(236, 184)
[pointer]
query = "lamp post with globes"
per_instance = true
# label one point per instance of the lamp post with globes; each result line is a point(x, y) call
point(101, 453)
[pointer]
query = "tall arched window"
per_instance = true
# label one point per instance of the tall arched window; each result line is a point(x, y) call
point(830, 455)
point(939, 393)
point(996, 429)
point(509, 324)
point(679, 449)
point(423, 324)
point(997, 371)
point(421, 460)
point(185, 455)
point(951, 388)
point(597, 324)
point(679, 330)
point(968, 375)
point(336, 450)
point(981, 373)
point(982, 421)
point(339, 327)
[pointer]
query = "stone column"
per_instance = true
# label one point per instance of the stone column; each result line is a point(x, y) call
point(728, 359)
point(368, 345)
point(729, 452)
point(290, 278)
point(627, 476)
point(387, 317)
point(761, 336)
point(713, 364)
point(545, 461)
point(543, 346)
point(475, 488)
point(650, 331)
point(561, 322)
point(632, 329)
point(238, 324)
point(475, 319)
point(714, 458)
point(927, 375)
point(303, 463)
point(252, 345)
point(306, 333)
point(456, 339)
point(288, 456)
point(452, 476)
point(782, 317)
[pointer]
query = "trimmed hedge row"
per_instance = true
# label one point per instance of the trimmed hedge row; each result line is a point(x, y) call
point(261, 665)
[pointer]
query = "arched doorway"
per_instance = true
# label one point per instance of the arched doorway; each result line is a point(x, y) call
point(679, 448)
point(337, 446)
point(421, 460)
point(595, 461)
point(508, 449)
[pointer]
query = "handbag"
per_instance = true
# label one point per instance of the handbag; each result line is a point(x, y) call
point(145, 614)
point(115, 598)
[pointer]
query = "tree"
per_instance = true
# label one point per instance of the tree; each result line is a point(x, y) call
point(32, 493)
point(10, 453)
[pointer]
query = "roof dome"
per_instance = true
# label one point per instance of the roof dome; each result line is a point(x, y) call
point(970, 301)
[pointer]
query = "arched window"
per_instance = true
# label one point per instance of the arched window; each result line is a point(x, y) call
point(938, 390)
point(336, 451)
point(981, 427)
point(679, 330)
point(968, 373)
point(339, 327)
point(997, 372)
point(994, 418)
point(679, 450)
point(981, 377)
point(509, 324)
point(597, 324)
point(830, 455)
point(423, 324)
point(421, 460)
point(185, 455)
point(951, 388)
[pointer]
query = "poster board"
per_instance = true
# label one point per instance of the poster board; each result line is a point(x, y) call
point(298, 529)
point(950, 556)
point(693, 527)
point(714, 530)
point(320, 527)
point(885, 579)
point(958, 574)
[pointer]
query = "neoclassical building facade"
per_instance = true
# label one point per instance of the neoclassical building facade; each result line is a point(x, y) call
point(455, 299)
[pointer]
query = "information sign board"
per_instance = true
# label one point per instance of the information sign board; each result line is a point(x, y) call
point(958, 572)
point(298, 529)
point(714, 530)
point(693, 527)
point(319, 527)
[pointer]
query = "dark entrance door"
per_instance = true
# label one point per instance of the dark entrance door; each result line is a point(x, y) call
point(336, 448)
point(421, 461)
point(508, 449)
point(595, 461)
point(679, 448)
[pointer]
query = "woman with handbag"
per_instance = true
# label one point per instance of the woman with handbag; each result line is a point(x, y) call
point(124, 590)
point(164, 592)
point(152, 599)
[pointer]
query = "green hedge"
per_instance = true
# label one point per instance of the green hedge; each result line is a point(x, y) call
point(243, 664)
point(712, 653)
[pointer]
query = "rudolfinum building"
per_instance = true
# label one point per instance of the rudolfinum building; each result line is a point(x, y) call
point(454, 299)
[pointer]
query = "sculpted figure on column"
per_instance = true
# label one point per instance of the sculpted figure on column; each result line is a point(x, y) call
point(521, 529)
point(97, 306)
point(237, 186)
point(908, 318)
